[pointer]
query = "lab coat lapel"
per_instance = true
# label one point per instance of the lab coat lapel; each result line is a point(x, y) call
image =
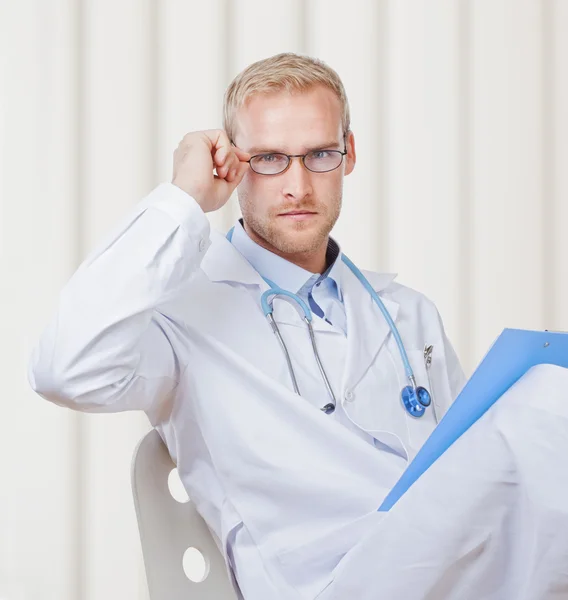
point(224, 263)
point(367, 329)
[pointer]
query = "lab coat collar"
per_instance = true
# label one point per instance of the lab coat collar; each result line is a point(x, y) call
point(224, 263)
point(367, 329)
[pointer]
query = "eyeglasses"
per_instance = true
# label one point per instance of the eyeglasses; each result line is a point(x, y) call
point(317, 161)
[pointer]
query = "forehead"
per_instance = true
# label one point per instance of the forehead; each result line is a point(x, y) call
point(289, 121)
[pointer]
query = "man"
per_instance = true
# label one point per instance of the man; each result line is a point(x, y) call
point(166, 317)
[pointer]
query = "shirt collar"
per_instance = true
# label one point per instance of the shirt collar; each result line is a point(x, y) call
point(282, 272)
point(333, 272)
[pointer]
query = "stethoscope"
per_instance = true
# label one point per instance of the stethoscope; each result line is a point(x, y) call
point(415, 399)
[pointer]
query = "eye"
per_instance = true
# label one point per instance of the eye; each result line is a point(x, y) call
point(270, 158)
point(320, 154)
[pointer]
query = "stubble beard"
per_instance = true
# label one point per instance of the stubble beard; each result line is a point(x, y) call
point(287, 243)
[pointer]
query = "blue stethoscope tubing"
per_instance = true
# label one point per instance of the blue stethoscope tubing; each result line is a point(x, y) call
point(415, 399)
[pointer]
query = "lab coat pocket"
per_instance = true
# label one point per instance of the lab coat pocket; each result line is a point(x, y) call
point(309, 567)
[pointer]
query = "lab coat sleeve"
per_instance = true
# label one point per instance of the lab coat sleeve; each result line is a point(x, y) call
point(109, 347)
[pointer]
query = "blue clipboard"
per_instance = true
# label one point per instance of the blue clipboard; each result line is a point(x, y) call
point(514, 352)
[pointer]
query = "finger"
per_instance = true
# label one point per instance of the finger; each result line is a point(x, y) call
point(218, 143)
point(221, 137)
point(242, 169)
point(234, 163)
point(233, 171)
point(225, 157)
point(234, 178)
point(231, 165)
point(230, 176)
point(226, 188)
point(224, 169)
point(220, 156)
point(241, 154)
point(218, 139)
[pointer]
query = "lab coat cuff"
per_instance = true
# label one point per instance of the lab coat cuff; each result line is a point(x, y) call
point(181, 207)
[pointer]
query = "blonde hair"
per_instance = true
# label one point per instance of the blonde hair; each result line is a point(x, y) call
point(283, 72)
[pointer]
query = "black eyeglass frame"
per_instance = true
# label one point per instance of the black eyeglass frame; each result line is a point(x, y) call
point(302, 156)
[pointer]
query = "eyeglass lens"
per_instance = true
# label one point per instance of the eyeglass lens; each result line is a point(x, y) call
point(318, 161)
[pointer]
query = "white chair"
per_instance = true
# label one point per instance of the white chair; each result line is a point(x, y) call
point(168, 528)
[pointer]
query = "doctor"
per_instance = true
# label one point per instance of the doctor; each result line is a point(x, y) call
point(286, 461)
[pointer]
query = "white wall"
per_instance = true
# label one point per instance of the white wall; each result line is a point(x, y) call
point(459, 111)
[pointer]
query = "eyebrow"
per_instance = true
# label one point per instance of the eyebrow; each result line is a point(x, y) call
point(268, 150)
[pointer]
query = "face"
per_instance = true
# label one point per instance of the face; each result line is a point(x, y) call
point(292, 213)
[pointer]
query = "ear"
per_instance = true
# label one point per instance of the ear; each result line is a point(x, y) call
point(351, 157)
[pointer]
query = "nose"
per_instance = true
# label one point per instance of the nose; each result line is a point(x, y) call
point(296, 181)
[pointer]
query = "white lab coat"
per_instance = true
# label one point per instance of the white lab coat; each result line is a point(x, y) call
point(487, 521)
point(165, 318)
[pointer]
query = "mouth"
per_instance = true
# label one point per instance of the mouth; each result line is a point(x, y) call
point(298, 215)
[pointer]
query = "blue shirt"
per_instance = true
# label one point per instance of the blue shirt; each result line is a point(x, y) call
point(322, 292)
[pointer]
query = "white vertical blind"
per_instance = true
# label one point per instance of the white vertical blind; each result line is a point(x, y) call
point(117, 148)
point(557, 153)
point(507, 163)
point(459, 110)
point(191, 77)
point(39, 502)
point(422, 153)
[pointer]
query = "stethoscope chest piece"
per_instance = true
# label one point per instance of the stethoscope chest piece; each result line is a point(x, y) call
point(415, 400)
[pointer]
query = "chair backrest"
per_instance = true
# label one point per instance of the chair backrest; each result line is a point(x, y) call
point(168, 528)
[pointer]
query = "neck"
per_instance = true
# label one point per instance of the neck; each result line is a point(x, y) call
point(314, 261)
